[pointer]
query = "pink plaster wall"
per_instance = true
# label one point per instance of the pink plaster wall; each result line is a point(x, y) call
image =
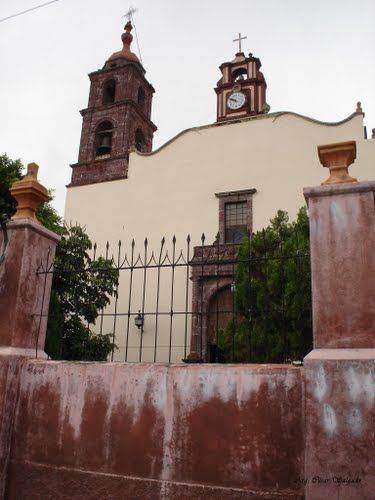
point(197, 431)
point(342, 240)
point(340, 424)
point(24, 294)
point(9, 382)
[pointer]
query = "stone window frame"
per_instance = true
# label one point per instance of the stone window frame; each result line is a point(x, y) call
point(243, 195)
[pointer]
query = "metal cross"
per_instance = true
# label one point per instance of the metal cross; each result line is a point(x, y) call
point(130, 13)
point(239, 39)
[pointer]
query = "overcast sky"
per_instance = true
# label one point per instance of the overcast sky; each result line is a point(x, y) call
point(317, 58)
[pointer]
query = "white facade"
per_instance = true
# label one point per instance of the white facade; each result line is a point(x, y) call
point(171, 191)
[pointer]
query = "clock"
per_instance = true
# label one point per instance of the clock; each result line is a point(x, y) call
point(236, 100)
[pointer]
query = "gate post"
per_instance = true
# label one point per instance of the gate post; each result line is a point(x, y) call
point(340, 372)
point(25, 245)
point(24, 296)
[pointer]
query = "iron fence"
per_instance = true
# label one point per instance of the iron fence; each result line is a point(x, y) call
point(222, 302)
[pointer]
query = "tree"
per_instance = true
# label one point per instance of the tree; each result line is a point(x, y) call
point(81, 286)
point(272, 295)
point(10, 171)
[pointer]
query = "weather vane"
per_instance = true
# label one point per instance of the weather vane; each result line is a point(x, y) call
point(239, 40)
point(130, 13)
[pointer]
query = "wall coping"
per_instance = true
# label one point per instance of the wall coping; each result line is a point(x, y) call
point(34, 226)
point(187, 366)
point(22, 352)
point(335, 189)
point(340, 354)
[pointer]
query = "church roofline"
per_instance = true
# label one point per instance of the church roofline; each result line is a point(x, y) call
point(275, 115)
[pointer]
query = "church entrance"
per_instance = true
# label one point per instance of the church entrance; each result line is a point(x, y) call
point(220, 313)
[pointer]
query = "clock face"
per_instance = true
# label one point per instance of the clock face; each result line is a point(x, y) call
point(236, 100)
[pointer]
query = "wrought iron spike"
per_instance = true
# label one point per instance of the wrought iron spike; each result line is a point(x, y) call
point(203, 237)
point(174, 239)
point(188, 239)
point(133, 243)
point(146, 242)
point(162, 241)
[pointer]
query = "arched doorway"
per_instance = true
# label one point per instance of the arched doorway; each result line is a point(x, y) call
point(220, 313)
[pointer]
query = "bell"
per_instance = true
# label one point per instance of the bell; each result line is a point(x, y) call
point(105, 146)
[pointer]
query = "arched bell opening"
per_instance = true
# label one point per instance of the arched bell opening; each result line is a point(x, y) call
point(239, 75)
point(141, 97)
point(103, 139)
point(109, 91)
point(140, 141)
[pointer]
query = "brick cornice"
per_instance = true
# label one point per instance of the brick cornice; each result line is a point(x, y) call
point(242, 192)
point(117, 68)
point(117, 104)
point(249, 81)
point(101, 160)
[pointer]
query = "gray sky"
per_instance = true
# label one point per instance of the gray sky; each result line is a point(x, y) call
point(317, 58)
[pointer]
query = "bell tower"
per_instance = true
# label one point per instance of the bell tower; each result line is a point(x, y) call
point(241, 91)
point(118, 117)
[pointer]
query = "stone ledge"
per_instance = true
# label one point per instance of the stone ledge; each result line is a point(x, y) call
point(334, 189)
point(34, 226)
point(22, 352)
point(340, 354)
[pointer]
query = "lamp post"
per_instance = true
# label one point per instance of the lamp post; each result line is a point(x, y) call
point(139, 321)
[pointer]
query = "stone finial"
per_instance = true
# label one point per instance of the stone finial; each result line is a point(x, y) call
point(373, 134)
point(359, 108)
point(337, 157)
point(29, 193)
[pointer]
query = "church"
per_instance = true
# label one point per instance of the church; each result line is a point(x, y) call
point(229, 177)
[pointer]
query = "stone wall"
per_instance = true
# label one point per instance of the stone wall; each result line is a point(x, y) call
point(98, 430)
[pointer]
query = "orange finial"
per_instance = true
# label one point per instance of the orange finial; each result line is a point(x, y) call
point(29, 193)
point(337, 157)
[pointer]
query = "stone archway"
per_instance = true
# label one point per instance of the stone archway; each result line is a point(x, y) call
point(220, 313)
point(212, 273)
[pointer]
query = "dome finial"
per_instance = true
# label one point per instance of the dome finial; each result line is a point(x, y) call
point(127, 37)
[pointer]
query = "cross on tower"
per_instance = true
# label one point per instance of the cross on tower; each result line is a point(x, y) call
point(130, 13)
point(239, 40)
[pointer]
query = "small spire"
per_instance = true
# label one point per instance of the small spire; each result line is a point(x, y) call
point(125, 52)
point(127, 37)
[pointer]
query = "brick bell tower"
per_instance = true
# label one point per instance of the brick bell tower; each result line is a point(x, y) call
point(116, 119)
point(241, 91)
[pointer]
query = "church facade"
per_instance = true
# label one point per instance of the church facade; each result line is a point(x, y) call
point(230, 176)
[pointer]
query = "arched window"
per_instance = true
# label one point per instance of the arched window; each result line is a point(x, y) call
point(239, 75)
point(141, 97)
point(109, 92)
point(103, 139)
point(139, 140)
